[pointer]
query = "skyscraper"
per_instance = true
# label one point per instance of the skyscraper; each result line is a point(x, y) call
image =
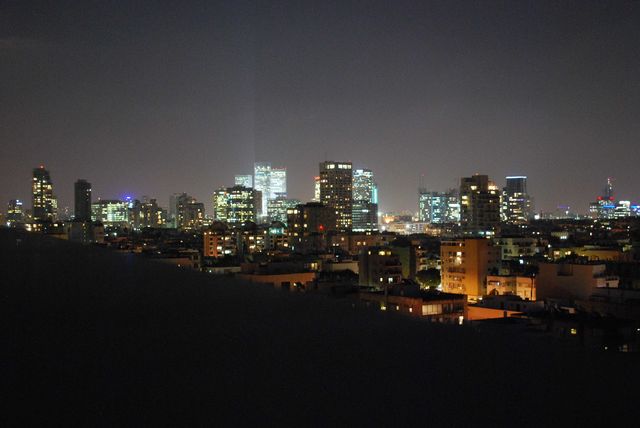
point(42, 194)
point(316, 189)
point(277, 183)
point(336, 191)
point(261, 176)
point(82, 200)
point(364, 211)
point(516, 203)
point(244, 180)
point(235, 205)
point(479, 205)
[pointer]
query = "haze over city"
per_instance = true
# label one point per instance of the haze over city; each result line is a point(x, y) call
point(153, 99)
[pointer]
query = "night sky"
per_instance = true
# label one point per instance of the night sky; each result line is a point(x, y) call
point(152, 98)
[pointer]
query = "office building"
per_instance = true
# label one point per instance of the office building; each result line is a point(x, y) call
point(271, 183)
point(235, 205)
point(110, 212)
point(15, 214)
point(44, 206)
point(336, 191)
point(277, 208)
point(465, 264)
point(307, 225)
point(364, 211)
point(438, 207)
point(516, 203)
point(479, 205)
point(82, 201)
point(244, 180)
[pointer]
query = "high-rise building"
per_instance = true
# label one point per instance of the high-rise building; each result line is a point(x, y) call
point(516, 203)
point(316, 189)
point(605, 206)
point(244, 180)
point(336, 191)
point(15, 214)
point(110, 212)
point(364, 210)
point(148, 214)
point(189, 212)
point(363, 185)
point(277, 208)
point(307, 225)
point(42, 193)
point(479, 205)
point(438, 207)
point(235, 205)
point(271, 183)
point(277, 183)
point(261, 176)
point(82, 200)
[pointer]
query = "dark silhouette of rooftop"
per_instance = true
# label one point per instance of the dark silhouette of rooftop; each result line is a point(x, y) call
point(91, 337)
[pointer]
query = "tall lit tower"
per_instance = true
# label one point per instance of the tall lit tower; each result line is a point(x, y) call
point(364, 212)
point(42, 195)
point(336, 191)
point(516, 203)
point(261, 176)
point(82, 200)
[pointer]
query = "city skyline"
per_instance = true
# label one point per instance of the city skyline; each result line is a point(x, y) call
point(158, 101)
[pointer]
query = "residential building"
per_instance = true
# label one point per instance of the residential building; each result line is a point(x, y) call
point(379, 267)
point(479, 205)
point(465, 265)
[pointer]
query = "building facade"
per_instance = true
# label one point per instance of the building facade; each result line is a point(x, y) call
point(516, 203)
point(336, 191)
point(479, 205)
point(44, 203)
point(465, 265)
point(82, 201)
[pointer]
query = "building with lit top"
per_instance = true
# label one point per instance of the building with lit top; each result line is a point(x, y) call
point(235, 205)
point(516, 203)
point(364, 211)
point(605, 206)
point(44, 205)
point(336, 191)
point(479, 205)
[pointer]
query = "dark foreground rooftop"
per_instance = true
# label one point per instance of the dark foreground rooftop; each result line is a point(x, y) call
point(91, 337)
